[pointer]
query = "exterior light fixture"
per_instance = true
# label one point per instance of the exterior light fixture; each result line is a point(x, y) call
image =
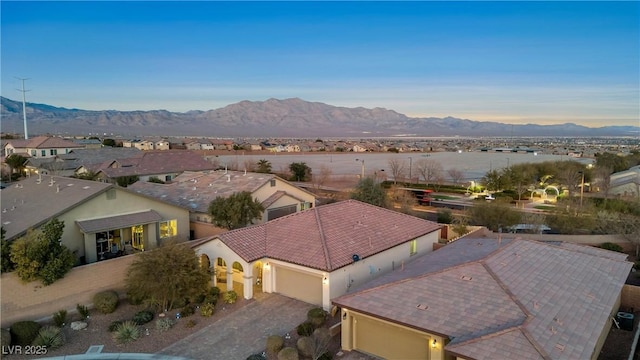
point(267, 265)
point(344, 316)
point(325, 281)
point(433, 344)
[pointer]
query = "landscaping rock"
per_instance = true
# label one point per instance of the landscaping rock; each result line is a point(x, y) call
point(78, 325)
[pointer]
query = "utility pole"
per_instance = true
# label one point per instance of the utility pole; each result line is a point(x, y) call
point(581, 188)
point(410, 165)
point(24, 108)
point(362, 174)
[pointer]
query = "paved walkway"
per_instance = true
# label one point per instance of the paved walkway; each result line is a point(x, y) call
point(244, 332)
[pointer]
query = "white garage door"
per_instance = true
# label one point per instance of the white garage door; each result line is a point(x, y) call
point(299, 285)
point(389, 341)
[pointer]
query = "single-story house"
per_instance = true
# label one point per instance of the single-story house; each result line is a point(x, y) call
point(194, 190)
point(481, 298)
point(320, 253)
point(101, 220)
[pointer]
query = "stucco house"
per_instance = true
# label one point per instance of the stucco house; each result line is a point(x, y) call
point(78, 161)
point(40, 146)
point(482, 298)
point(194, 190)
point(626, 183)
point(101, 220)
point(320, 253)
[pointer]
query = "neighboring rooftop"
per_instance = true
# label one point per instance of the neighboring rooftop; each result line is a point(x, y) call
point(503, 300)
point(44, 142)
point(326, 237)
point(195, 190)
point(31, 202)
point(161, 162)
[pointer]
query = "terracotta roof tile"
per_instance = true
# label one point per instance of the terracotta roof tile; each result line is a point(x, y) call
point(326, 237)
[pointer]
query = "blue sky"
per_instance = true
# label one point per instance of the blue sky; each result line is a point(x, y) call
point(512, 62)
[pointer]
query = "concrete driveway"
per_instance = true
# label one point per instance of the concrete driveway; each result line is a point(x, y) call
point(243, 332)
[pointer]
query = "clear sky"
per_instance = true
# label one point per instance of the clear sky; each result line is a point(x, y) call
point(512, 62)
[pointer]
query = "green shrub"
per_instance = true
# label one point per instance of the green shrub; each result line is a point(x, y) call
point(50, 337)
point(60, 318)
point(305, 346)
point(106, 301)
point(274, 343)
point(114, 325)
point(24, 332)
point(305, 329)
point(189, 324)
point(187, 311)
point(230, 297)
point(142, 317)
point(326, 356)
point(164, 324)
point(288, 353)
point(83, 311)
point(214, 291)
point(317, 316)
point(255, 357)
point(444, 216)
point(611, 246)
point(207, 309)
point(126, 332)
point(134, 300)
point(5, 336)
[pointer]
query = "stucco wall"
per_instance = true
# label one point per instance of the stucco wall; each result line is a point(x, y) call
point(630, 297)
point(358, 273)
point(124, 202)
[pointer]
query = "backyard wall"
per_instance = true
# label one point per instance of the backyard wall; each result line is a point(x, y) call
point(630, 297)
point(33, 301)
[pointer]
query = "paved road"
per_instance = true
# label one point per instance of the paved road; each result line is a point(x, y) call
point(244, 332)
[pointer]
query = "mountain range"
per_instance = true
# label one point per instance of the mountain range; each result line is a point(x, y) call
point(274, 118)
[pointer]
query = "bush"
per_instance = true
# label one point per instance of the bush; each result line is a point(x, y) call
point(305, 329)
point(106, 301)
point(274, 344)
point(126, 332)
point(142, 317)
point(288, 353)
point(5, 336)
point(83, 311)
point(60, 318)
point(230, 297)
point(444, 216)
point(114, 325)
point(207, 309)
point(305, 346)
point(134, 300)
point(188, 310)
point(611, 246)
point(189, 324)
point(50, 337)
point(24, 332)
point(164, 324)
point(326, 356)
point(317, 316)
point(255, 357)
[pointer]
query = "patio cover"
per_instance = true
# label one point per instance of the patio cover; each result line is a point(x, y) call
point(118, 221)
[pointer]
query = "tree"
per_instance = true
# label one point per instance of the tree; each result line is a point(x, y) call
point(493, 180)
point(398, 168)
point(429, 169)
point(369, 192)
point(611, 161)
point(299, 171)
point(125, 181)
point(456, 175)
point(109, 142)
point(166, 276)
point(494, 215)
point(15, 162)
point(323, 177)
point(264, 166)
point(235, 211)
point(7, 265)
point(40, 255)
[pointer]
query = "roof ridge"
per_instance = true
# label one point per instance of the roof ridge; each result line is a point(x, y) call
point(323, 240)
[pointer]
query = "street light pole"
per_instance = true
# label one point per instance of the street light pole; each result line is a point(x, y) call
point(581, 188)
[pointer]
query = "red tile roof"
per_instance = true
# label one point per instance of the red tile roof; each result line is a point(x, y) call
point(326, 237)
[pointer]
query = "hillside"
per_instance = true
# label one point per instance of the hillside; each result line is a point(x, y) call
point(274, 118)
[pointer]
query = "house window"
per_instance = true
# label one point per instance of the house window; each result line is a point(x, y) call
point(281, 211)
point(33, 153)
point(272, 182)
point(53, 152)
point(413, 247)
point(168, 228)
point(305, 205)
point(43, 153)
point(137, 237)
